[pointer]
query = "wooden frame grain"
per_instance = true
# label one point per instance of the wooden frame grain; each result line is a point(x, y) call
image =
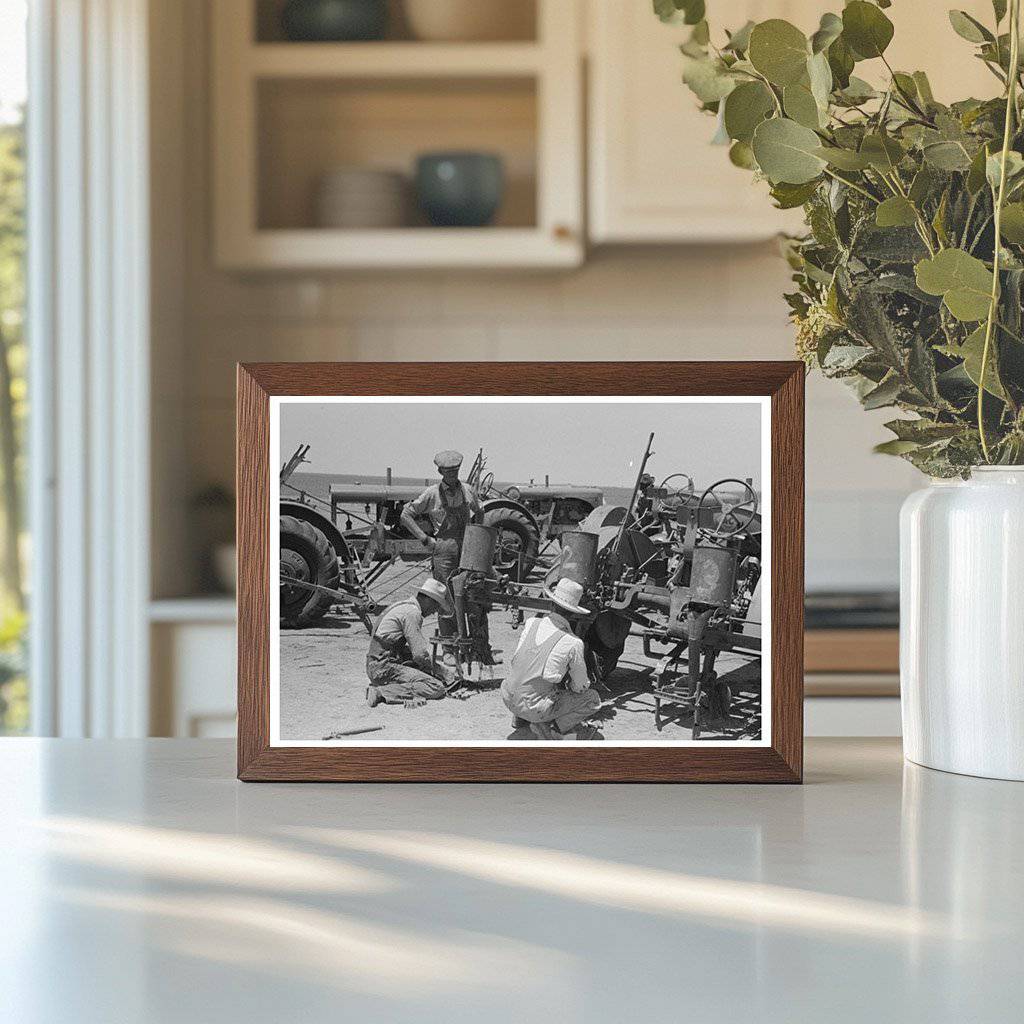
point(782, 761)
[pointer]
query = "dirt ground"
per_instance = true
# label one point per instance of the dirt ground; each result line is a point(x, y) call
point(323, 687)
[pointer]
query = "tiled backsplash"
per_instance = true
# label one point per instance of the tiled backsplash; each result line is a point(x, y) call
point(695, 304)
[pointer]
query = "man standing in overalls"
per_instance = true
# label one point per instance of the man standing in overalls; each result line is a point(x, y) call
point(450, 505)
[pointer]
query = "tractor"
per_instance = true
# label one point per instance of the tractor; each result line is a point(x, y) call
point(677, 568)
point(332, 551)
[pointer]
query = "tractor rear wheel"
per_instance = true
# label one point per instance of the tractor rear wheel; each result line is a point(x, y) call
point(518, 541)
point(306, 555)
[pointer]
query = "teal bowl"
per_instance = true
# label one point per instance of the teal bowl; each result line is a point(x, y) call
point(334, 21)
point(462, 190)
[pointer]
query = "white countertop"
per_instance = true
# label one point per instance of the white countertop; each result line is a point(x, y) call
point(140, 882)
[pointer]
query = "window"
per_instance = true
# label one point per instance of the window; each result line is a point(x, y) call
point(14, 693)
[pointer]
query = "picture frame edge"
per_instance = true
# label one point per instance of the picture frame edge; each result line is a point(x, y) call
point(782, 381)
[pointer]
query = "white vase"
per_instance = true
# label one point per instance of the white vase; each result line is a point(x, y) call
point(962, 624)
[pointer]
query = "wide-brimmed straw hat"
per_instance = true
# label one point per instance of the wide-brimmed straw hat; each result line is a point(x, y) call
point(437, 591)
point(567, 594)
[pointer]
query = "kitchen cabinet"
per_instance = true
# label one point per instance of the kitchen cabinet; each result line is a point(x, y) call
point(287, 114)
point(654, 177)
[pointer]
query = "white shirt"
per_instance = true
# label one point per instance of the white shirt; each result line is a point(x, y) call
point(565, 656)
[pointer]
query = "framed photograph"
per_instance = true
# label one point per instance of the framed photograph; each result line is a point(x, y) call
point(520, 571)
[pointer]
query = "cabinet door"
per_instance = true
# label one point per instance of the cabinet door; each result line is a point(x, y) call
point(654, 177)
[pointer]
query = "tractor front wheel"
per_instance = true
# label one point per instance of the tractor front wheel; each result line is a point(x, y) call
point(518, 541)
point(307, 556)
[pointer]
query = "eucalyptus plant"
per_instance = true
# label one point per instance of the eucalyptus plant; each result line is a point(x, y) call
point(902, 289)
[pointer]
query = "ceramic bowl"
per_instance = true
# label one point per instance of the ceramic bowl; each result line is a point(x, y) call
point(332, 21)
point(459, 189)
point(360, 197)
point(470, 20)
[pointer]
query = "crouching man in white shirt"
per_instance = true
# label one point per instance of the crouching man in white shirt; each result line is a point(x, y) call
point(548, 655)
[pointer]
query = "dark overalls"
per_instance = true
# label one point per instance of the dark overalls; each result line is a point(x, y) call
point(391, 667)
point(444, 561)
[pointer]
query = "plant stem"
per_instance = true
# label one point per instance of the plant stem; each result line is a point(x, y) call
point(853, 185)
point(1011, 107)
point(775, 98)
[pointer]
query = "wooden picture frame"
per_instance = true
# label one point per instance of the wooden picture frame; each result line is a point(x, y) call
point(780, 759)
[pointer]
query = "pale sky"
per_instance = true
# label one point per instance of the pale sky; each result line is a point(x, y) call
point(582, 443)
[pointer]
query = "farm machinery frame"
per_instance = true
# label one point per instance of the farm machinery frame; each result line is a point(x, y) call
point(676, 568)
point(333, 551)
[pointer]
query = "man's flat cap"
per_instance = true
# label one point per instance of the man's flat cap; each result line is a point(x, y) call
point(448, 459)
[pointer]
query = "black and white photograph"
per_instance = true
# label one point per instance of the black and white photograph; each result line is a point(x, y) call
point(468, 571)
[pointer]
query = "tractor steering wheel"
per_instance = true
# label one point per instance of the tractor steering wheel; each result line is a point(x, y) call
point(681, 491)
point(731, 517)
point(486, 483)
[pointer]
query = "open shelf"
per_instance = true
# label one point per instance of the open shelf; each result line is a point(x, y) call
point(309, 127)
point(520, 22)
point(286, 114)
point(393, 60)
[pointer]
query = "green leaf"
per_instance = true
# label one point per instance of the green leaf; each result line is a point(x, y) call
point(969, 28)
point(844, 159)
point(741, 155)
point(895, 212)
point(999, 8)
point(924, 88)
point(947, 156)
point(739, 41)
point(666, 10)
point(856, 92)
point(707, 78)
point(690, 12)
point(963, 281)
point(923, 431)
point(787, 151)
point(841, 63)
point(701, 34)
point(829, 30)
point(745, 108)
point(866, 29)
point(788, 196)
point(922, 185)
point(905, 84)
point(921, 370)
point(939, 220)
point(1012, 223)
point(779, 51)
point(721, 136)
point(971, 352)
point(993, 167)
point(895, 447)
point(976, 174)
point(819, 74)
point(693, 11)
point(882, 151)
point(801, 106)
point(889, 245)
point(885, 394)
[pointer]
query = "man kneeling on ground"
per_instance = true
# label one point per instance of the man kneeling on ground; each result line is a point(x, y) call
point(549, 654)
point(398, 661)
